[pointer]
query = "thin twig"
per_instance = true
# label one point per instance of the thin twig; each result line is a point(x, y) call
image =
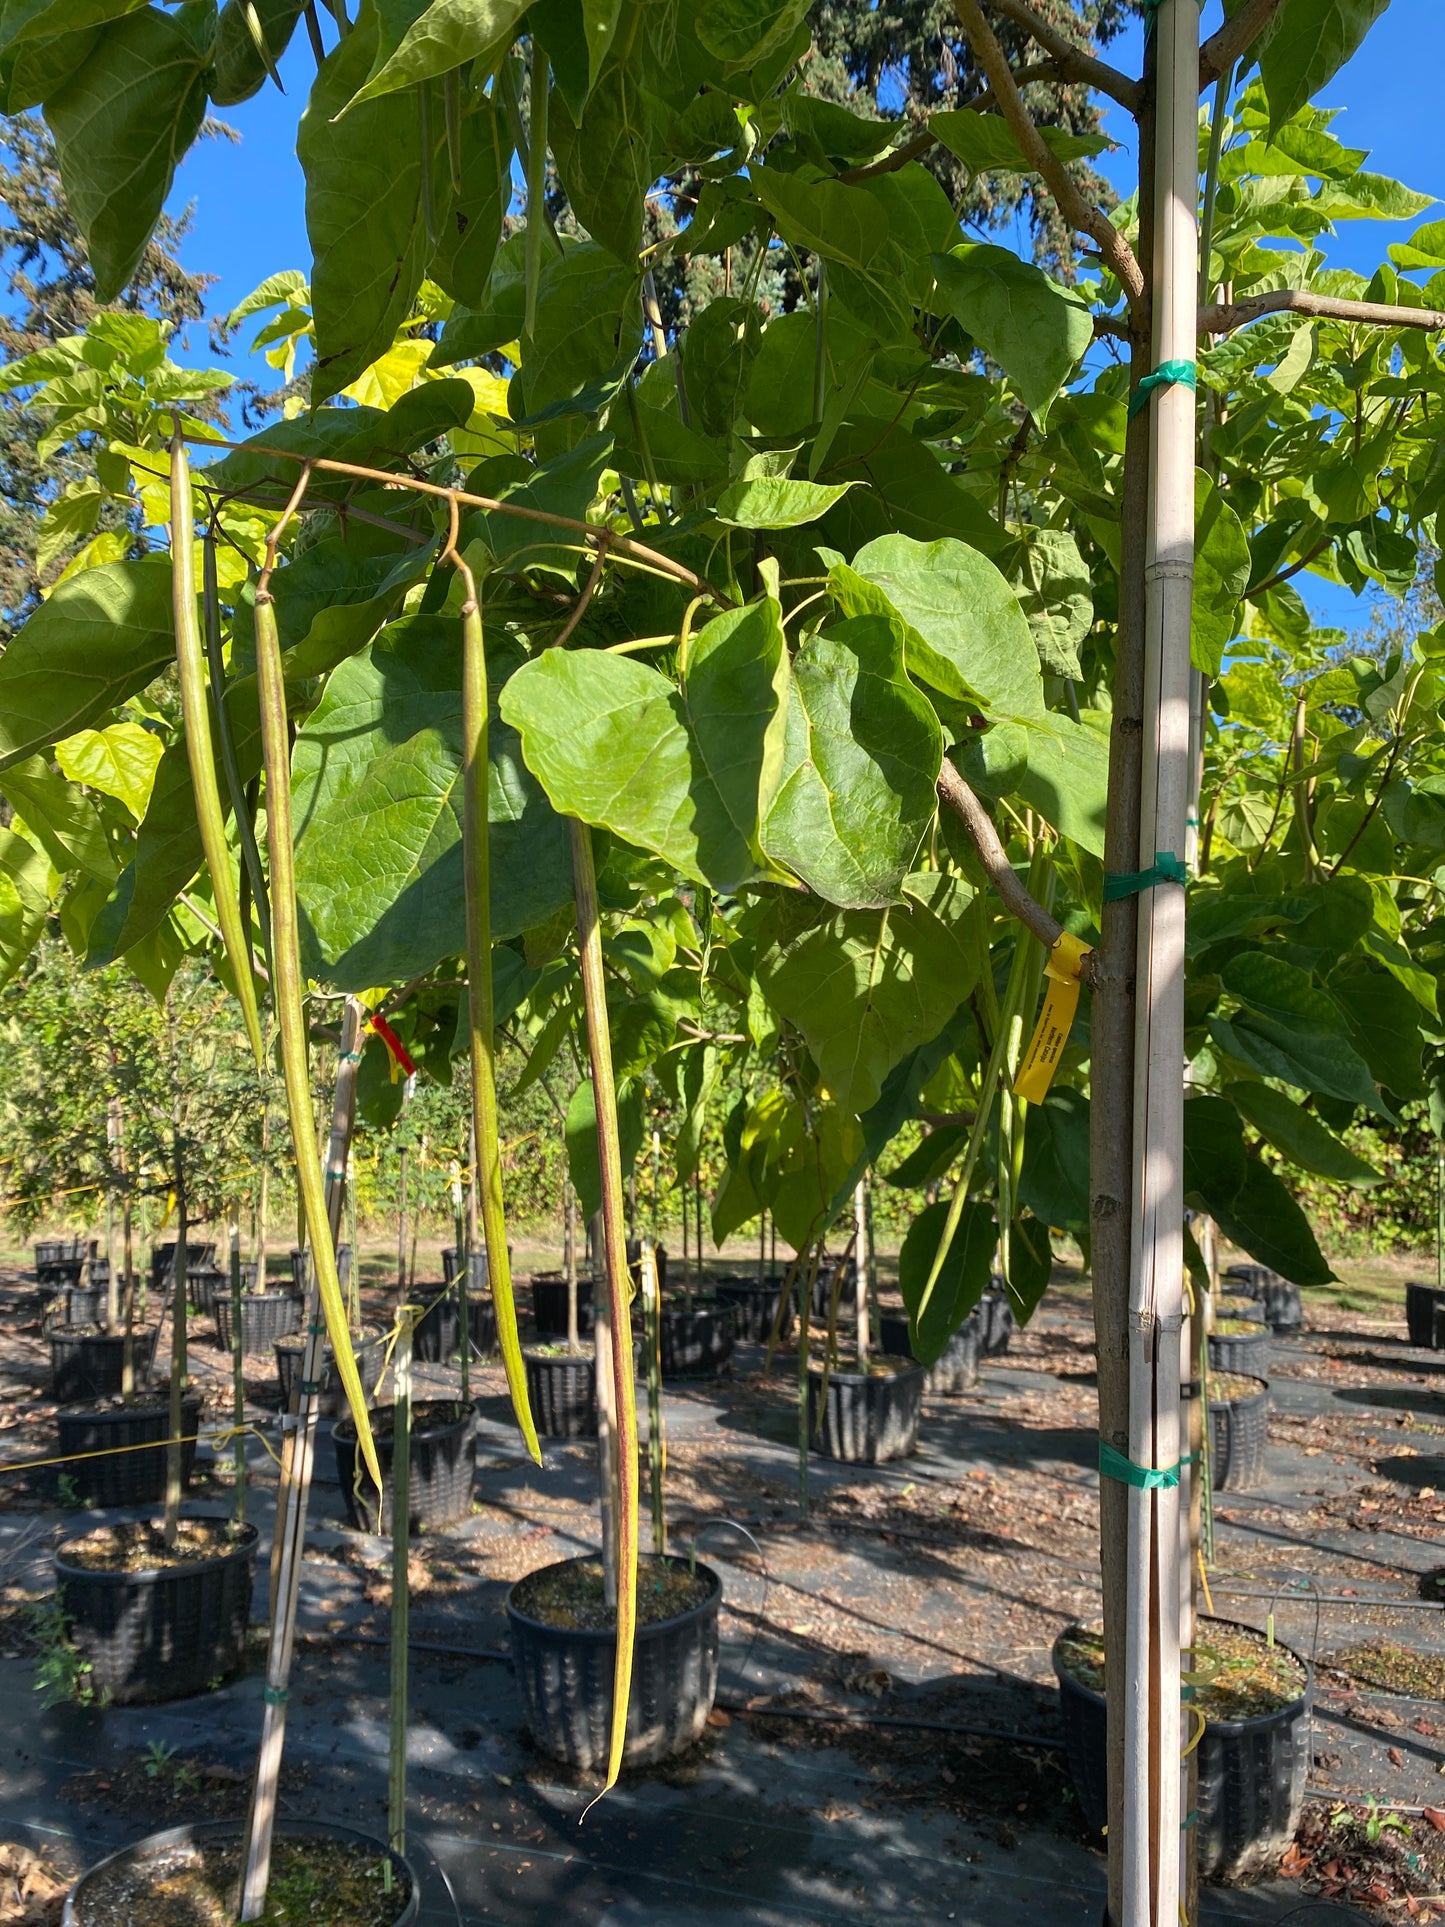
point(1017, 899)
point(1224, 316)
point(622, 544)
point(1235, 38)
point(1075, 62)
point(1294, 569)
point(1076, 210)
point(589, 590)
point(273, 540)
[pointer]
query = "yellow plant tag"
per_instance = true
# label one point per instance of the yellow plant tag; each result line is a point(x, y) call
point(1056, 1019)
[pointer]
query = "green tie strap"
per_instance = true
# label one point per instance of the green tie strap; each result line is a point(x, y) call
point(1169, 374)
point(1166, 868)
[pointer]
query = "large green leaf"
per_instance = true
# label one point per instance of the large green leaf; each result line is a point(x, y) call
point(1057, 766)
point(743, 31)
point(443, 36)
point(866, 986)
point(1221, 575)
point(121, 124)
point(377, 780)
point(1056, 593)
point(843, 224)
point(1305, 47)
point(239, 71)
point(62, 818)
point(605, 161)
point(984, 143)
point(583, 1163)
point(97, 639)
point(1298, 1135)
point(1035, 330)
point(861, 758)
point(1055, 1181)
point(119, 761)
point(964, 632)
point(23, 901)
point(959, 1285)
point(589, 324)
point(364, 214)
point(683, 773)
point(472, 230)
point(1245, 1198)
point(1384, 1026)
point(1285, 1028)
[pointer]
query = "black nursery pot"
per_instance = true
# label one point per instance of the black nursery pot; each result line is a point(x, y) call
point(562, 1392)
point(443, 1466)
point(755, 1306)
point(482, 1322)
point(870, 1417)
point(1284, 1310)
point(166, 1632)
point(91, 1364)
point(124, 1475)
point(1251, 1775)
point(438, 1334)
point(1422, 1302)
point(997, 1323)
point(265, 1317)
point(370, 1363)
point(956, 1371)
point(1244, 1351)
point(549, 1304)
point(114, 1880)
point(163, 1257)
point(1238, 1434)
point(84, 1304)
point(696, 1343)
point(565, 1676)
point(634, 1263)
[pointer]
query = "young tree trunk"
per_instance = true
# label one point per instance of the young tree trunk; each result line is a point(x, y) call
point(400, 1582)
point(174, 1447)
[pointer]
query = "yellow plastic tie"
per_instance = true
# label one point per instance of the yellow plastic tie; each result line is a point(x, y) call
point(1056, 1019)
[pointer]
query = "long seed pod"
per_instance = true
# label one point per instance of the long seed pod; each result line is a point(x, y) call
point(288, 990)
point(191, 671)
point(536, 188)
point(243, 811)
point(477, 864)
point(609, 1157)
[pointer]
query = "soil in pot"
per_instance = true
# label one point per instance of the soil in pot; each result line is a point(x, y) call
point(1253, 1755)
point(320, 1882)
point(443, 1466)
point(564, 1645)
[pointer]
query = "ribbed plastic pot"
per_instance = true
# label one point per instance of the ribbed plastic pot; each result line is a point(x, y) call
point(1246, 1352)
point(443, 1468)
point(1421, 1304)
point(1251, 1775)
point(207, 1283)
point(88, 1905)
point(696, 1343)
point(1238, 1434)
point(870, 1417)
point(562, 1391)
point(755, 1306)
point(480, 1272)
point(997, 1324)
point(331, 1400)
point(265, 1317)
point(956, 1371)
point(482, 1321)
point(565, 1676)
point(84, 1304)
point(124, 1476)
point(163, 1257)
point(1238, 1300)
point(1284, 1310)
point(1256, 1277)
point(549, 1304)
point(301, 1268)
point(91, 1364)
point(438, 1334)
point(59, 1261)
point(162, 1634)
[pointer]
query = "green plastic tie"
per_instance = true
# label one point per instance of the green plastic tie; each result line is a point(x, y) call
point(311, 1386)
point(275, 1696)
point(1166, 868)
point(1146, 1478)
point(1169, 374)
point(1189, 1820)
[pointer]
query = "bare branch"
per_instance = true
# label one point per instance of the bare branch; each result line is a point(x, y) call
point(1287, 574)
point(912, 150)
point(589, 590)
point(1225, 316)
point(1001, 873)
point(1235, 37)
point(1076, 63)
point(1078, 212)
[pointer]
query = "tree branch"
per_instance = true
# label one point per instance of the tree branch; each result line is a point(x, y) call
point(1225, 316)
point(1286, 574)
point(1235, 37)
point(1075, 63)
point(1079, 213)
point(1001, 873)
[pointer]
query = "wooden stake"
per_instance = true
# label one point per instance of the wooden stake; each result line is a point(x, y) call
point(400, 1576)
point(656, 1446)
point(238, 1378)
point(174, 1447)
point(860, 1268)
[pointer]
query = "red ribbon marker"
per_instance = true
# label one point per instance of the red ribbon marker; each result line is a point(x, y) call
point(394, 1045)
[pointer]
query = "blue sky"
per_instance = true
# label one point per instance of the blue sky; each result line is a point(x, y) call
point(248, 203)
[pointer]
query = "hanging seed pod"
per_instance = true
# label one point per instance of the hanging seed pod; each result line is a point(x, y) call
point(477, 863)
point(191, 671)
point(288, 992)
point(599, 1043)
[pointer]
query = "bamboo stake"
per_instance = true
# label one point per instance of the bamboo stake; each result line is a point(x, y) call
point(400, 1578)
point(174, 1447)
point(401, 1225)
point(480, 1008)
point(860, 1267)
point(656, 1447)
point(238, 1378)
point(616, 1322)
point(191, 674)
point(1152, 1771)
point(807, 1276)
